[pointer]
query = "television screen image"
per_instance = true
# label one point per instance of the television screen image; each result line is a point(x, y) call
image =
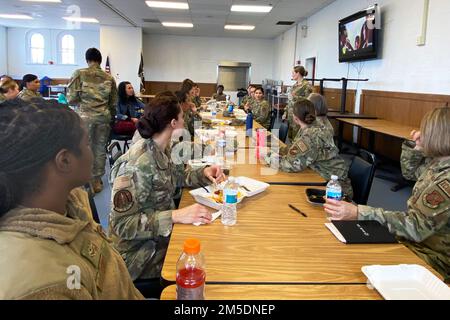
point(357, 37)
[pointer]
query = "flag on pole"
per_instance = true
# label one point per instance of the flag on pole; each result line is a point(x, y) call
point(107, 67)
point(141, 75)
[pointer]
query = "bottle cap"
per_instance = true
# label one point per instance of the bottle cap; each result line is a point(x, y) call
point(192, 246)
point(333, 177)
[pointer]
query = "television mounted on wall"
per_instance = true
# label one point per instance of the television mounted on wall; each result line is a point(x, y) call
point(358, 35)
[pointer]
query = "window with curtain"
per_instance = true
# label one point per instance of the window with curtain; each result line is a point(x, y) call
point(67, 49)
point(37, 48)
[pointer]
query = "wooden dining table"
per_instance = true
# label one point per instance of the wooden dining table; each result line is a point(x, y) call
point(273, 244)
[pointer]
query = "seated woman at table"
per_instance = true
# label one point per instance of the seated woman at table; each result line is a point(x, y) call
point(312, 148)
point(425, 226)
point(219, 95)
point(260, 108)
point(145, 183)
point(9, 90)
point(320, 104)
point(47, 235)
point(128, 109)
point(30, 87)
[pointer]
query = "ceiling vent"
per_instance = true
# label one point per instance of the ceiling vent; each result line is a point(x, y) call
point(285, 23)
point(151, 20)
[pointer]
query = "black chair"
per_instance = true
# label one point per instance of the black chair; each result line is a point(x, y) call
point(361, 174)
point(149, 288)
point(273, 118)
point(284, 128)
point(121, 137)
point(114, 152)
point(94, 209)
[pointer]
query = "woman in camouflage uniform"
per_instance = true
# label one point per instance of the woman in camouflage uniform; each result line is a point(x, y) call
point(261, 109)
point(30, 87)
point(145, 182)
point(301, 89)
point(425, 226)
point(320, 104)
point(312, 148)
point(50, 246)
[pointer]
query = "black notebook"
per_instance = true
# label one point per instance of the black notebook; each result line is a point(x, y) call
point(365, 231)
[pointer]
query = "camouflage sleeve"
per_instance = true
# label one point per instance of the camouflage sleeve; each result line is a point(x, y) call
point(413, 162)
point(131, 222)
point(424, 216)
point(113, 99)
point(263, 113)
point(194, 178)
point(299, 156)
point(74, 89)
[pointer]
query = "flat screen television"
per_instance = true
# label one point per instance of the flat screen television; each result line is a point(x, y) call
point(358, 35)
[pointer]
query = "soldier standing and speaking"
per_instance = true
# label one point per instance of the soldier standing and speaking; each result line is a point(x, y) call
point(425, 226)
point(95, 93)
point(312, 148)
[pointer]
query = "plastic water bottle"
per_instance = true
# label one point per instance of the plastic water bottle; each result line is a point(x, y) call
point(334, 190)
point(220, 149)
point(229, 210)
point(249, 124)
point(191, 275)
point(214, 110)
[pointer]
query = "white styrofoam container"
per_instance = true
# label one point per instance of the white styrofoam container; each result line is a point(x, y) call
point(203, 197)
point(406, 282)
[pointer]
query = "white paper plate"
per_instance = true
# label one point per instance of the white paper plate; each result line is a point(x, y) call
point(203, 197)
point(406, 282)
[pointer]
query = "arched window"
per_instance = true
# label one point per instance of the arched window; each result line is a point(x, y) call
point(37, 48)
point(67, 46)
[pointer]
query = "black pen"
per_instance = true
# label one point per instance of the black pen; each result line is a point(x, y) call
point(295, 209)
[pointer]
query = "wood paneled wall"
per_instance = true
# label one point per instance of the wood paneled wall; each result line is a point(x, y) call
point(154, 87)
point(400, 107)
point(333, 97)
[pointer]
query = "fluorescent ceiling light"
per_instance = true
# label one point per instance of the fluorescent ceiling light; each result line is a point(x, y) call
point(54, 1)
point(168, 5)
point(80, 19)
point(16, 16)
point(239, 8)
point(238, 27)
point(177, 24)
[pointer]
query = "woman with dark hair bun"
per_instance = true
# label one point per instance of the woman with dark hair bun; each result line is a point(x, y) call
point(50, 246)
point(30, 87)
point(312, 148)
point(146, 180)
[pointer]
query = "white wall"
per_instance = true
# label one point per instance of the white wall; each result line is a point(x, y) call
point(123, 46)
point(174, 58)
point(284, 59)
point(18, 64)
point(3, 51)
point(402, 65)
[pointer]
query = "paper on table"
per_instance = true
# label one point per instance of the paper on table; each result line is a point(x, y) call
point(215, 215)
point(336, 232)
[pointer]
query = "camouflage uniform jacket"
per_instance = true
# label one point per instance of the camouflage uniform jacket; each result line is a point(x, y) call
point(2, 98)
point(145, 182)
point(425, 226)
point(27, 95)
point(261, 112)
point(302, 90)
point(41, 251)
point(197, 101)
point(326, 125)
point(94, 91)
point(413, 162)
point(313, 148)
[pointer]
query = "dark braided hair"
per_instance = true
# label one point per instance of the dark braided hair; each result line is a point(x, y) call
point(305, 111)
point(158, 114)
point(31, 134)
